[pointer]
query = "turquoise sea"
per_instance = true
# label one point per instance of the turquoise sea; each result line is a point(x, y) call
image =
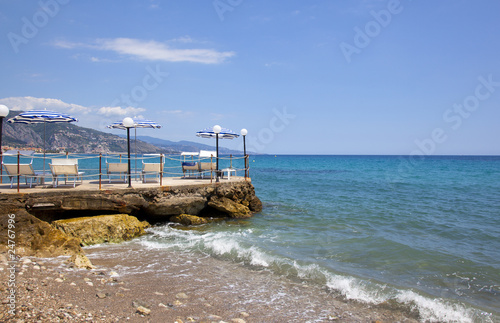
point(423, 233)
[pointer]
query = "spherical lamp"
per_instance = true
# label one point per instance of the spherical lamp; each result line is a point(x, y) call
point(4, 111)
point(128, 122)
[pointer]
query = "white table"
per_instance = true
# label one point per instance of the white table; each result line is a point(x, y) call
point(229, 171)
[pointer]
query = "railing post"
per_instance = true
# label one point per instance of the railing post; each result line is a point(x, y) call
point(161, 169)
point(211, 168)
point(18, 170)
point(246, 167)
point(100, 171)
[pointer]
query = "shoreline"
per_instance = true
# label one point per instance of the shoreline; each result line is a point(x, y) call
point(176, 286)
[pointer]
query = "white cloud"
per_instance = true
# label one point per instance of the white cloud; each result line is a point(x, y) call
point(30, 103)
point(153, 50)
point(119, 111)
point(92, 117)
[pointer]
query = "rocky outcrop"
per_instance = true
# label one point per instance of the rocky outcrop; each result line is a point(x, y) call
point(34, 237)
point(104, 228)
point(154, 204)
point(169, 205)
point(229, 207)
point(186, 219)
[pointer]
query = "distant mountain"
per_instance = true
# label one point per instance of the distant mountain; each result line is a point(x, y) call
point(184, 145)
point(68, 137)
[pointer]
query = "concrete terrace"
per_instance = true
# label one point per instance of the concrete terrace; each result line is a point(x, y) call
point(116, 184)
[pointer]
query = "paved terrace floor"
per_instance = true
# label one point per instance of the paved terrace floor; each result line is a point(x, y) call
point(89, 185)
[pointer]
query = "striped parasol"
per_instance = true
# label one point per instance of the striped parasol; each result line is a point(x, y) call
point(138, 123)
point(217, 132)
point(39, 116)
point(224, 133)
point(42, 116)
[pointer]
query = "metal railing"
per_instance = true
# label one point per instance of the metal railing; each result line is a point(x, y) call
point(93, 167)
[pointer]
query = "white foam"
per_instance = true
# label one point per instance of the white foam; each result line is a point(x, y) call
point(237, 247)
point(435, 310)
point(355, 289)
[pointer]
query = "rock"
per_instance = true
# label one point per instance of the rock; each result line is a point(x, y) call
point(238, 320)
point(244, 314)
point(213, 317)
point(37, 238)
point(101, 295)
point(231, 208)
point(81, 261)
point(186, 219)
point(143, 310)
point(181, 296)
point(255, 204)
point(174, 205)
point(59, 280)
point(104, 228)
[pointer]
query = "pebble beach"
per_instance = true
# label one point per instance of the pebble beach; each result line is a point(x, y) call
point(187, 290)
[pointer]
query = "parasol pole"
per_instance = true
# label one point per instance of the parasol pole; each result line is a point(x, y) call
point(44, 148)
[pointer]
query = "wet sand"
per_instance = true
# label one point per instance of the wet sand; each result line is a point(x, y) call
point(169, 286)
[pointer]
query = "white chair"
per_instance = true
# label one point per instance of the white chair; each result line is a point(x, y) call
point(189, 167)
point(204, 168)
point(207, 167)
point(65, 167)
point(25, 170)
point(150, 169)
point(117, 168)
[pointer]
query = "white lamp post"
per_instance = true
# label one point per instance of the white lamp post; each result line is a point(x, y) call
point(217, 129)
point(244, 132)
point(4, 111)
point(128, 123)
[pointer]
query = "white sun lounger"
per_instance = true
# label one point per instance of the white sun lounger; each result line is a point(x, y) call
point(117, 168)
point(65, 167)
point(25, 170)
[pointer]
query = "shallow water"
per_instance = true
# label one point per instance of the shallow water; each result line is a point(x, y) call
point(422, 233)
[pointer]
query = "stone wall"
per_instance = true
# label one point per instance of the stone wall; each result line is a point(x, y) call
point(156, 204)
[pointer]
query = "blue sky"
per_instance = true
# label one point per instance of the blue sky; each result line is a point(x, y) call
point(304, 77)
